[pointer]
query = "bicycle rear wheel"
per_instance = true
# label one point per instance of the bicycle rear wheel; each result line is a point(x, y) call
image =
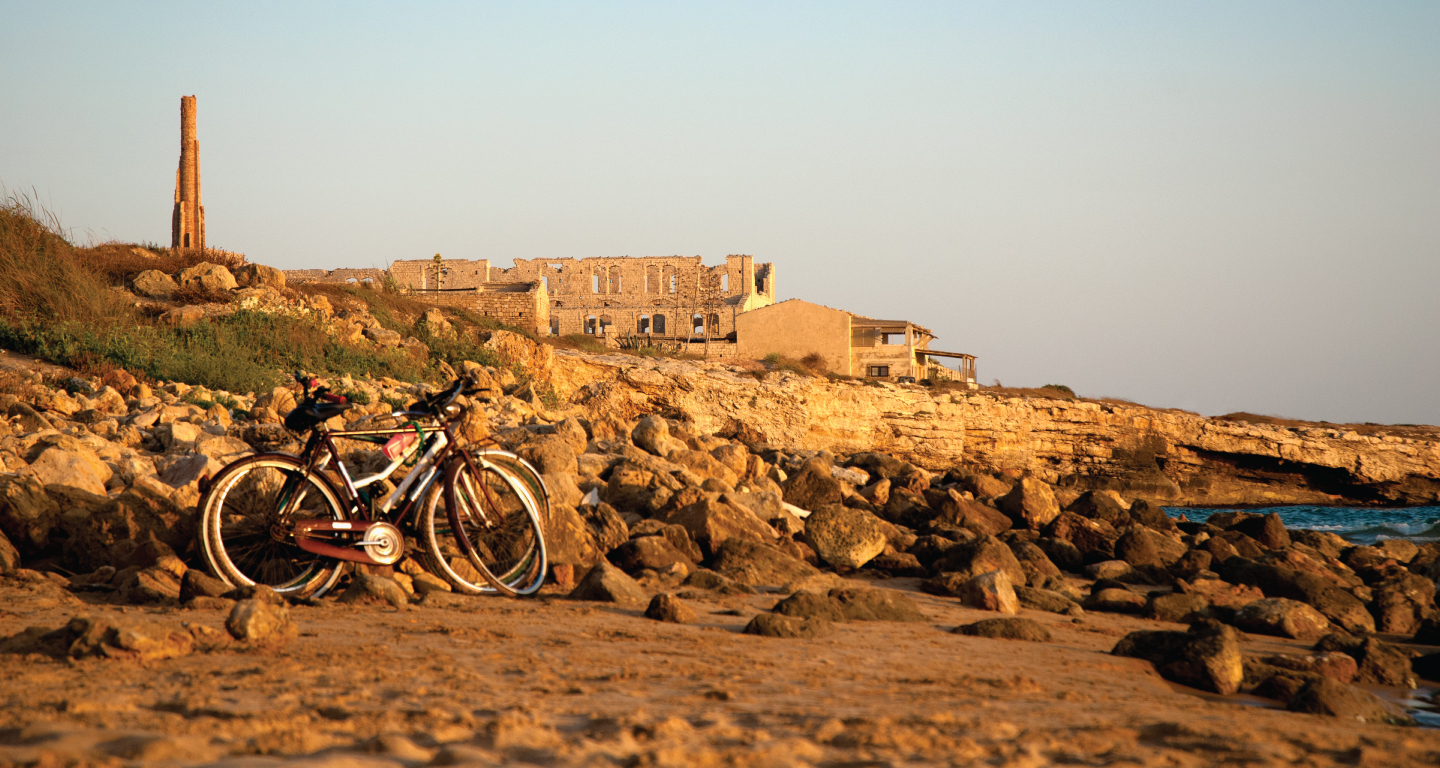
point(247, 526)
point(498, 518)
point(526, 473)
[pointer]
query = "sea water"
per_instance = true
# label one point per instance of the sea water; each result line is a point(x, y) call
point(1355, 524)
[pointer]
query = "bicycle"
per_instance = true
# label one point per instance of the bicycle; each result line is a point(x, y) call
point(289, 521)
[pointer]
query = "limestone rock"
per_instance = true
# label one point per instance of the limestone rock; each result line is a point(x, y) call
point(1338, 605)
point(1141, 546)
point(810, 605)
point(71, 468)
point(653, 434)
point(991, 591)
point(383, 336)
point(1402, 602)
point(1268, 530)
point(1006, 629)
point(971, 515)
point(150, 585)
point(1031, 504)
point(1100, 505)
point(1336, 666)
point(1114, 600)
point(1206, 657)
point(209, 277)
point(257, 276)
point(260, 620)
point(1283, 618)
point(154, 284)
point(1378, 662)
point(607, 584)
point(714, 582)
point(669, 608)
point(551, 454)
point(1176, 606)
point(375, 590)
point(711, 522)
point(813, 486)
point(759, 564)
point(775, 625)
point(27, 513)
point(1047, 600)
point(653, 552)
point(983, 555)
point(9, 555)
point(28, 418)
point(862, 604)
point(844, 536)
point(1324, 696)
point(1092, 538)
point(198, 584)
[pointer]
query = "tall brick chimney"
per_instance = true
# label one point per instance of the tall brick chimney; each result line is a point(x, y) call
point(187, 223)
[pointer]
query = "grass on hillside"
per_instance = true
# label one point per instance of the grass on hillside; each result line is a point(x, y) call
point(56, 303)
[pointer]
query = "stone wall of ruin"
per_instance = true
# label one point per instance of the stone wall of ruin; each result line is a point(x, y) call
point(623, 295)
point(523, 305)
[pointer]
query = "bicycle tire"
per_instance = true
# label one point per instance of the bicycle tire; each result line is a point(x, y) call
point(246, 537)
point(498, 516)
point(526, 473)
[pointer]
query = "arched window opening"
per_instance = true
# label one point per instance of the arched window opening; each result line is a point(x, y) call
point(605, 322)
point(590, 324)
point(643, 326)
point(658, 323)
point(697, 323)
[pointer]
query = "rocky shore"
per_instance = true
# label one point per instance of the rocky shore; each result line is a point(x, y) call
point(710, 525)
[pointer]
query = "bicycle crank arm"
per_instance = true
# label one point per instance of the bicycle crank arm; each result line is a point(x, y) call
point(380, 543)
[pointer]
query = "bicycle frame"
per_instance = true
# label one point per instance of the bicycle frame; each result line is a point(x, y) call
point(321, 451)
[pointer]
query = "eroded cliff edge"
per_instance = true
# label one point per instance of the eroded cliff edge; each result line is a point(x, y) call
point(1174, 456)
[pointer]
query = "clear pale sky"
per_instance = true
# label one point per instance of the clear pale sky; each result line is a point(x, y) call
point(1216, 206)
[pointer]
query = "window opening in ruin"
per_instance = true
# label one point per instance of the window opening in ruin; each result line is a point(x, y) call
point(594, 283)
point(698, 323)
point(725, 283)
point(712, 322)
point(350, 280)
point(673, 282)
point(605, 322)
point(658, 322)
point(759, 285)
point(554, 326)
point(643, 326)
point(879, 371)
point(545, 281)
point(187, 239)
point(590, 324)
point(892, 338)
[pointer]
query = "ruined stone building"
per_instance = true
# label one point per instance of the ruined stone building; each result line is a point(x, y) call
point(674, 298)
point(850, 344)
point(722, 311)
point(187, 223)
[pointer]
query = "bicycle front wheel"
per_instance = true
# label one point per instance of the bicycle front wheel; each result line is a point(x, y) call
point(248, 521)
point(482, 531)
